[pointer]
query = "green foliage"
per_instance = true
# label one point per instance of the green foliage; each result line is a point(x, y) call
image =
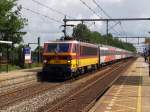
point(33, 65)
point(81, 32)
point(11, 24)
point(11, 21)
point(37, 49)
point(3, 68)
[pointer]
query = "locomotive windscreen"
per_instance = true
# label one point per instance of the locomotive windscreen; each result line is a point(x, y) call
point(57, 47)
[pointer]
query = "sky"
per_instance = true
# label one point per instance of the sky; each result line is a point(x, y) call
point(47, 29)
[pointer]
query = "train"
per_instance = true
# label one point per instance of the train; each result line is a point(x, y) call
point(66, 59)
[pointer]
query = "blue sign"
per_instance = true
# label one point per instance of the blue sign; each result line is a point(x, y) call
point(27, 50)
point(27, 54)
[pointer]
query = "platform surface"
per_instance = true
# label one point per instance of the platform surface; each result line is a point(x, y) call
point(130, 93)
point(18, 73)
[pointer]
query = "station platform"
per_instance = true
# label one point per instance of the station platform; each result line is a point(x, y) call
point(18, 73)
point(130, 93)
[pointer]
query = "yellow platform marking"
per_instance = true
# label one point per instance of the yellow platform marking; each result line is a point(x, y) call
point(139, 94)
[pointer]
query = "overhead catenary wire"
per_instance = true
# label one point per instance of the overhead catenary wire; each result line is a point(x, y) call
point(32, 11)
point(123, 29)
point(101, 9)
point(90, 25)
point(84, 3)
point(116, 23)
point(52, 9)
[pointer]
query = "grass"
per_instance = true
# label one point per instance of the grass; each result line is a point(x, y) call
point(3, 68)
point(33, 65)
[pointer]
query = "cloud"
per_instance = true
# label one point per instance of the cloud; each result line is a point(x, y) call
point(50, 30)
point(111, 1)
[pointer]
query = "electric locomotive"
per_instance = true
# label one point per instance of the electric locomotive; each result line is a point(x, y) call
point(63, 59)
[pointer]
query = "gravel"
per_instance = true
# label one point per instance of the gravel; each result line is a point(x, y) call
point(40, 100)
point(8, 85)
point(31, 105)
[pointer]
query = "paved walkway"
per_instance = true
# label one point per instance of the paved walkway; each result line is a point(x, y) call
point(130, 93)
point(18, 73)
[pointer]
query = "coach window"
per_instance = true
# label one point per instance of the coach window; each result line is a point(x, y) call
point(102, 52)
point(88, 51)
point(74, 47)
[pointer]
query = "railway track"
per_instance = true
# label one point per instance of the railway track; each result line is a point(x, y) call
point(16, 82)
point(82, 98)
point(10, 98)
point(13, 87)
point(24, 93)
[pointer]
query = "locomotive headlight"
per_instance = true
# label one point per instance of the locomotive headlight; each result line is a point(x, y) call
point(69, 61)
point(45, 61)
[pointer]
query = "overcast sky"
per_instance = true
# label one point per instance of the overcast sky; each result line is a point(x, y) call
point(50, 30)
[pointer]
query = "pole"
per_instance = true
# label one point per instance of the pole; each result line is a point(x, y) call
point(7, 58)
point(38, 49)
point(107, 27)
point(65, 24)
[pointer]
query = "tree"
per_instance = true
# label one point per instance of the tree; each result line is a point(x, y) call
point(81, 32)
point(36, 53)
point(11, 21)
point(11, 24)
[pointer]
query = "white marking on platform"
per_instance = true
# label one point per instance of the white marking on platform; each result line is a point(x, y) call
point(108, 108)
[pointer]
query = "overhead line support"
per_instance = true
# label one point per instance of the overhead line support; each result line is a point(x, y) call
point(116, 19)
point(107, 20)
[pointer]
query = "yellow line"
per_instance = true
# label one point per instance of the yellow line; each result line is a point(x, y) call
point(139, 95)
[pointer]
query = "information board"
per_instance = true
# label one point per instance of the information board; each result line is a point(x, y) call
point(27, 54)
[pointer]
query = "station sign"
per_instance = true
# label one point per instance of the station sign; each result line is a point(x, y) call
point(27, 54)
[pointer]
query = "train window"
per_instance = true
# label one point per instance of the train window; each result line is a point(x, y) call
point(88, 51)
point(109, 52)
point(55, 47)
point(74, 47)
point(106, 52)
point(102, 52)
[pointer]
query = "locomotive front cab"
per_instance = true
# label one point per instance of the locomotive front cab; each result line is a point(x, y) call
point(58, 58)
